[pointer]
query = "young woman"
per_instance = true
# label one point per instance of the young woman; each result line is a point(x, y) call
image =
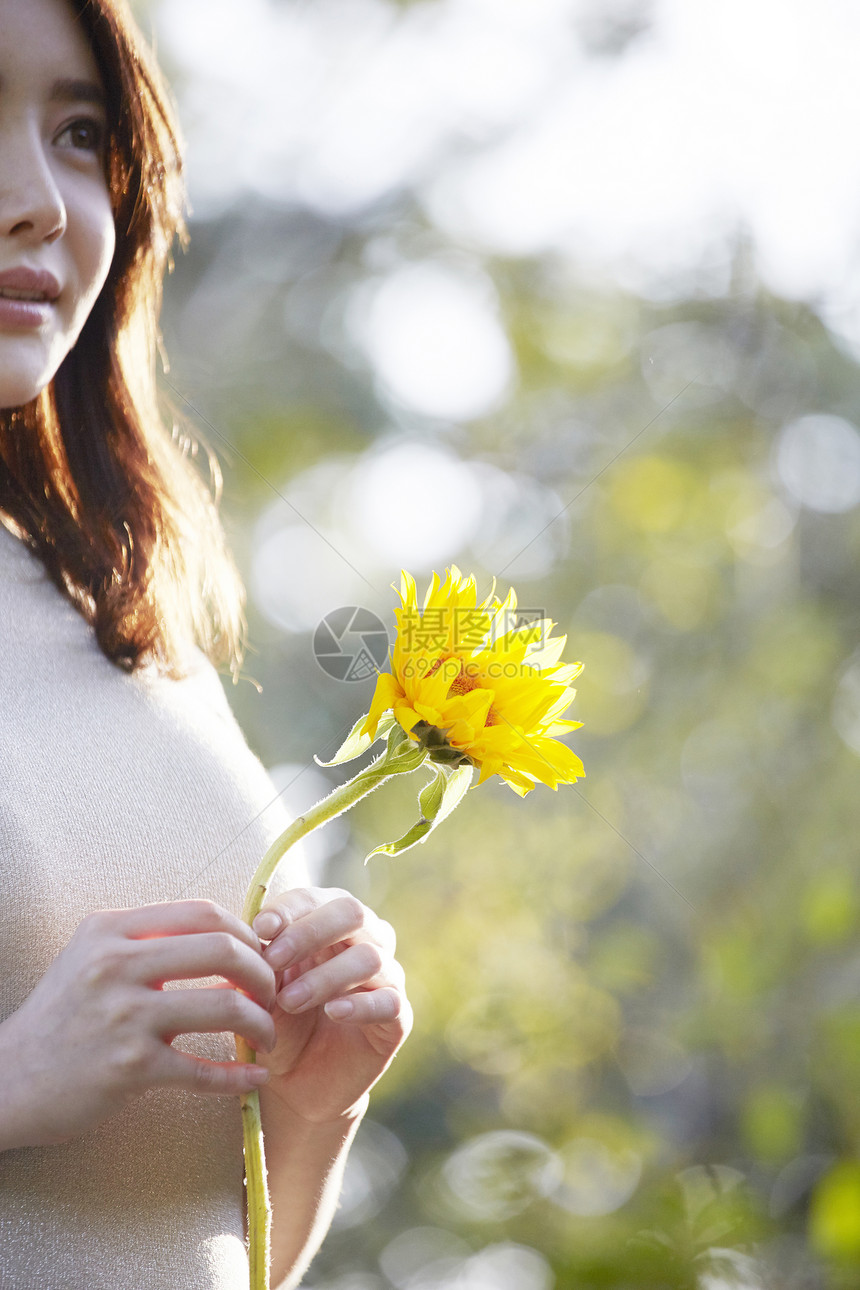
point(132, 812)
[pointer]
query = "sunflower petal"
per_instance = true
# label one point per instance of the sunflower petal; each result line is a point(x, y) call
point(387, 692)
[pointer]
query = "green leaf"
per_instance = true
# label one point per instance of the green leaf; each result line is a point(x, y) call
point(416, 834)
point(396, 736)
point(356, 743)
point(400, 756)
point(430, 797)
point(436, 801)
point(403, 761)
point(455, 790)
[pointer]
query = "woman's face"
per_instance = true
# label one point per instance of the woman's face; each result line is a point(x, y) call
point(56, 227)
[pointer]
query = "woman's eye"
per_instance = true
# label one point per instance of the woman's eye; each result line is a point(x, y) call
point(86, 134)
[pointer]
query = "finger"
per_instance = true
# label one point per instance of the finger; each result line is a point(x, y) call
point(185, 1012)
point(359, 965)
point(342, 918)
point(181, 917)
point(332, 922)
point(392, 974)
point(179, 958)
point(290, 905)
point(369, 1007)
point(198, 1075)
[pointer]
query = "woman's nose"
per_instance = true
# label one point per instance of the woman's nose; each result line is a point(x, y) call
point(31, 204)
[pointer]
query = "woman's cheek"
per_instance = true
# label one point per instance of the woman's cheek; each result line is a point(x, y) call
point(94, 255)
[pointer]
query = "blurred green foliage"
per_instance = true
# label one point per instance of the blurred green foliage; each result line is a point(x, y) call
point(637, 1047)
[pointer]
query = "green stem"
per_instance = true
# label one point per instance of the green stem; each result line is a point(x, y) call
point(340, 799)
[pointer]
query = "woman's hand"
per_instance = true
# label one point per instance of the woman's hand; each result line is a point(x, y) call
point(341, 1011)
point(96, 1031)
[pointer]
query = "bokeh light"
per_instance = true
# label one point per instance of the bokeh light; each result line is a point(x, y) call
point(499, 1174)
point(818, 463)
point(374, 1169)
point(597, 1180)
point(433, 335)
point(846, 705)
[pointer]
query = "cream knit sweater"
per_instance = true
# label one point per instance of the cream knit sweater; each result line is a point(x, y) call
point(117, 790)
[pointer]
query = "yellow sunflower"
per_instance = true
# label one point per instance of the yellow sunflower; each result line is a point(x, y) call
point(472, 684)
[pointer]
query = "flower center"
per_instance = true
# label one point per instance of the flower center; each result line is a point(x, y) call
point(463, 684)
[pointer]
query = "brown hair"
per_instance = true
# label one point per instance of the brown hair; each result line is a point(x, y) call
point(111, 502)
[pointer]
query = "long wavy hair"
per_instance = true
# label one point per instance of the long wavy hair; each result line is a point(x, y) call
point(111, 501)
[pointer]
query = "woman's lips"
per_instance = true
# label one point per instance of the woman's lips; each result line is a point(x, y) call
point(27, 297)
point(23, 315)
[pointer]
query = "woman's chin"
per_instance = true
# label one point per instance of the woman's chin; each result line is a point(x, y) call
point(18, 388)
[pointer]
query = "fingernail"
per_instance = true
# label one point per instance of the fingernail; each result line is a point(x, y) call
point(339, 1009)
point(257, 1075)
point(267, 925)
point(294, 995)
